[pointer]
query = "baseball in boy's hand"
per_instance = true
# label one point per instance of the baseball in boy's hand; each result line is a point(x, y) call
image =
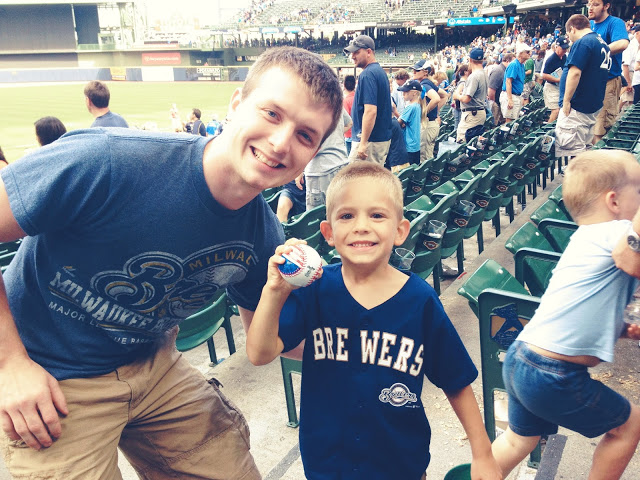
point(302, 265)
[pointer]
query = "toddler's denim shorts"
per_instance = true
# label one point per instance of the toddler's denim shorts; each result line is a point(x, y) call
point(544, 393)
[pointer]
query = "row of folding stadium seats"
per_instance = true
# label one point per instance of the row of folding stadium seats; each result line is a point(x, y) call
point(504, 304)
point(625, 134)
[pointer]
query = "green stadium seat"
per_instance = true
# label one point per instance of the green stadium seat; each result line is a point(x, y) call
point(202, 326)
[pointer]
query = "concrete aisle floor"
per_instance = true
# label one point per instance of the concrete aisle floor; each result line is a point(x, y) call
point(259, 393)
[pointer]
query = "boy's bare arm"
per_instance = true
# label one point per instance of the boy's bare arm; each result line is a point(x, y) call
point(483, 464)
point(263, 342)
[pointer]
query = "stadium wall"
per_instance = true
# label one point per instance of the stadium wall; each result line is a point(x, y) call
point(131, 74)
point(229, 57)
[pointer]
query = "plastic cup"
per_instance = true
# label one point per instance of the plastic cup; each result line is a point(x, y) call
point(401, 258)
point(465, 207)
point(436, 228)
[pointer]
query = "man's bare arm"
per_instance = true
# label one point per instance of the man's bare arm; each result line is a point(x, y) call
point(31, 398)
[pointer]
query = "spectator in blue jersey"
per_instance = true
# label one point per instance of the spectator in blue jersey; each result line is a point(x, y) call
point(582, 87)
point(371, 110)
point(97, 98)
point(372, 333)
point(551, 73)
point(614, 32)
point(513, 85)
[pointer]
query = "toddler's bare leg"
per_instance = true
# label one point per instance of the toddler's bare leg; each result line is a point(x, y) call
point(509, 449)
point(616, 448)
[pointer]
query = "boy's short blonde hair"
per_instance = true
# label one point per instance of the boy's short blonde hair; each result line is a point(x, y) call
point(363, 169)
point(592, 174)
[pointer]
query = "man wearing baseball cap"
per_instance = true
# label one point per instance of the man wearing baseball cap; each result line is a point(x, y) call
point(371, 109)
point(551, 74)
point(433, 96)
point(472, 99)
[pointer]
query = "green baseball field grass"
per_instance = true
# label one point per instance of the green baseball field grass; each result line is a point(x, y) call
point(137, 102)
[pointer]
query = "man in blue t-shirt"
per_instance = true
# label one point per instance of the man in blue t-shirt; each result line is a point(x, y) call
point(127, 233)
point(97, 96)
point(614, 32)
point(371, 109)
point(582, 87)
point(551, 73)
point(513, 85)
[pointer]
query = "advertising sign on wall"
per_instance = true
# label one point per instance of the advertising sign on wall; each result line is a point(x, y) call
point(161, 58)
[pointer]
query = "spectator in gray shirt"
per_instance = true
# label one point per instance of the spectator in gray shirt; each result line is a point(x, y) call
point(495, 87)
point(97, 98)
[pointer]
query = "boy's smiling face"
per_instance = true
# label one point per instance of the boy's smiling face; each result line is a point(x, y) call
point(276, 130)
point(365, 223)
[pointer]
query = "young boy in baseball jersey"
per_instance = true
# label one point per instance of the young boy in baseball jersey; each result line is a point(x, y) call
point(578, 322)
point(371, 333)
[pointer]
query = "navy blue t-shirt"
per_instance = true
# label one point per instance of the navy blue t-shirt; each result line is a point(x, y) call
point(361, 415)
point(553, 63)
point(372, 89)
point(591, 55)
point(612, 29)
point(125, 241)
point(426, 86)
point(398, 148)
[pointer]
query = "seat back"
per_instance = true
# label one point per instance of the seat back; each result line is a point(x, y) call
point(502, 316)
point(527, 235)
point(417, 224)
point(534, 268)
point(557, 232)
point(201, 326)
point(489, 275)
point(548, 209)
point(306, 226)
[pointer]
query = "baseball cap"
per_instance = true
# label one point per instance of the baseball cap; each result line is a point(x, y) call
point(361, 41)
point(418, 65)
point(635, 28)
point(410, 85)
point(524, 48)
point(563, 42)
point(476, 54)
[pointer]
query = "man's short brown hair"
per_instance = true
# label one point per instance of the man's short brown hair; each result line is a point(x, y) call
point(401, 75)
point(577, 21)
point(98, 93)
point(314, 72)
